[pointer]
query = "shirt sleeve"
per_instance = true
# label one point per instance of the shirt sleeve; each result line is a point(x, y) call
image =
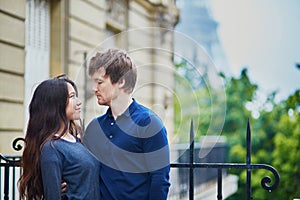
point(160, 184)
point(51, 169)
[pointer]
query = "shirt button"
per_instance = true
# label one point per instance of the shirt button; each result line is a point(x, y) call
point(110, 136)
point(111, 123)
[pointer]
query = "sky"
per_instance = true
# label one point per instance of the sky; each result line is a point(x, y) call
point(264, 36)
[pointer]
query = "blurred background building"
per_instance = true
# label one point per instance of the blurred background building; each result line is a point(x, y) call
point(42, 38)
point(45, 38)
point(197, 21)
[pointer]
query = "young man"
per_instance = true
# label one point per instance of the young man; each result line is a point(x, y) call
point(129, 140)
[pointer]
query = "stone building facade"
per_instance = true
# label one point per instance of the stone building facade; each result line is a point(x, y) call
point(42, 38)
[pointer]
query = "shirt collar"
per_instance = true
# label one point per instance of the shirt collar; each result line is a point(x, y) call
point(127, 112)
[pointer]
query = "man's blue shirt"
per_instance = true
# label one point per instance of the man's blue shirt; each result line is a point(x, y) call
point(134, 154)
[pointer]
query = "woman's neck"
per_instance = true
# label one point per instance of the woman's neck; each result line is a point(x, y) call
point(69, 137)
point(66, 135)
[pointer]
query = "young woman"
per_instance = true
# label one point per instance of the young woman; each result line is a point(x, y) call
point(53, 152)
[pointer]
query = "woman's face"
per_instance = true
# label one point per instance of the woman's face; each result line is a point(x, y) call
point(73, 107)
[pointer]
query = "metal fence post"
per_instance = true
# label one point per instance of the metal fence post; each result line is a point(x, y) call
point(248, 161)
point(191, 189)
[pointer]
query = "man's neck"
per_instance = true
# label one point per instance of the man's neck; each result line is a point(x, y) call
point(120, 104)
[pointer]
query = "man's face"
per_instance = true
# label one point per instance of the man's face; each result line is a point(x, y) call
point(104, 90)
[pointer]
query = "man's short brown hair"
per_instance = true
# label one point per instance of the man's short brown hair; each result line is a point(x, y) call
point(118, 66)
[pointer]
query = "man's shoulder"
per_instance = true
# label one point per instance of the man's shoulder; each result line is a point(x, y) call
point(93, 123)
point(141, 109)
point(94, 126)
point(96, 120)
point(144, 116)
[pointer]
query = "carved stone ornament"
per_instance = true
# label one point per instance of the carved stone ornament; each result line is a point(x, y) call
point(116, 12)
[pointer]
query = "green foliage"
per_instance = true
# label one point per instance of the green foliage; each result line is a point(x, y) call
point(286, 154)
point(188, 105)
point(275, 135)
point(238, 92)
point(191, 101)
point(275, 141)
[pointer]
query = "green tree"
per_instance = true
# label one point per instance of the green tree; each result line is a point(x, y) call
point(239, 91)
point(286, 154)
point(275, 141)
point(191, 101)
point(275, 132)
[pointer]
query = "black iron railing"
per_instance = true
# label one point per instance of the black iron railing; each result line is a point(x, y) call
point(13, 162)
point(10, 165)
point(265, 182)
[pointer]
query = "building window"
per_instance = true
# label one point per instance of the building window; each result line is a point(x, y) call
point(37, 45)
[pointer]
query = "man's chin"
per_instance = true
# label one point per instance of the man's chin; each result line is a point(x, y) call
point(102, 103)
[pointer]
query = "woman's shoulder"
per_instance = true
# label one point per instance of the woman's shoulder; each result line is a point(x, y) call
point(50, 145)
point(56, 145)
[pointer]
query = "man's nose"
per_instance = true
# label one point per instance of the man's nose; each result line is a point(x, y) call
point(94, 88)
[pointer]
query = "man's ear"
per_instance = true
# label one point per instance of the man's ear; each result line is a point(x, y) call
point(121, 83)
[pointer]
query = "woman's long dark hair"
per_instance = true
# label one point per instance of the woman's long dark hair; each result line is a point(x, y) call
point(47, 117)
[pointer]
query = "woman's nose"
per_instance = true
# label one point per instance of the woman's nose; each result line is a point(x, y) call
point(78, 102)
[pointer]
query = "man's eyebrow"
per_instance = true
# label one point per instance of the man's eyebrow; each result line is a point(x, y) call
point(97, 79)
